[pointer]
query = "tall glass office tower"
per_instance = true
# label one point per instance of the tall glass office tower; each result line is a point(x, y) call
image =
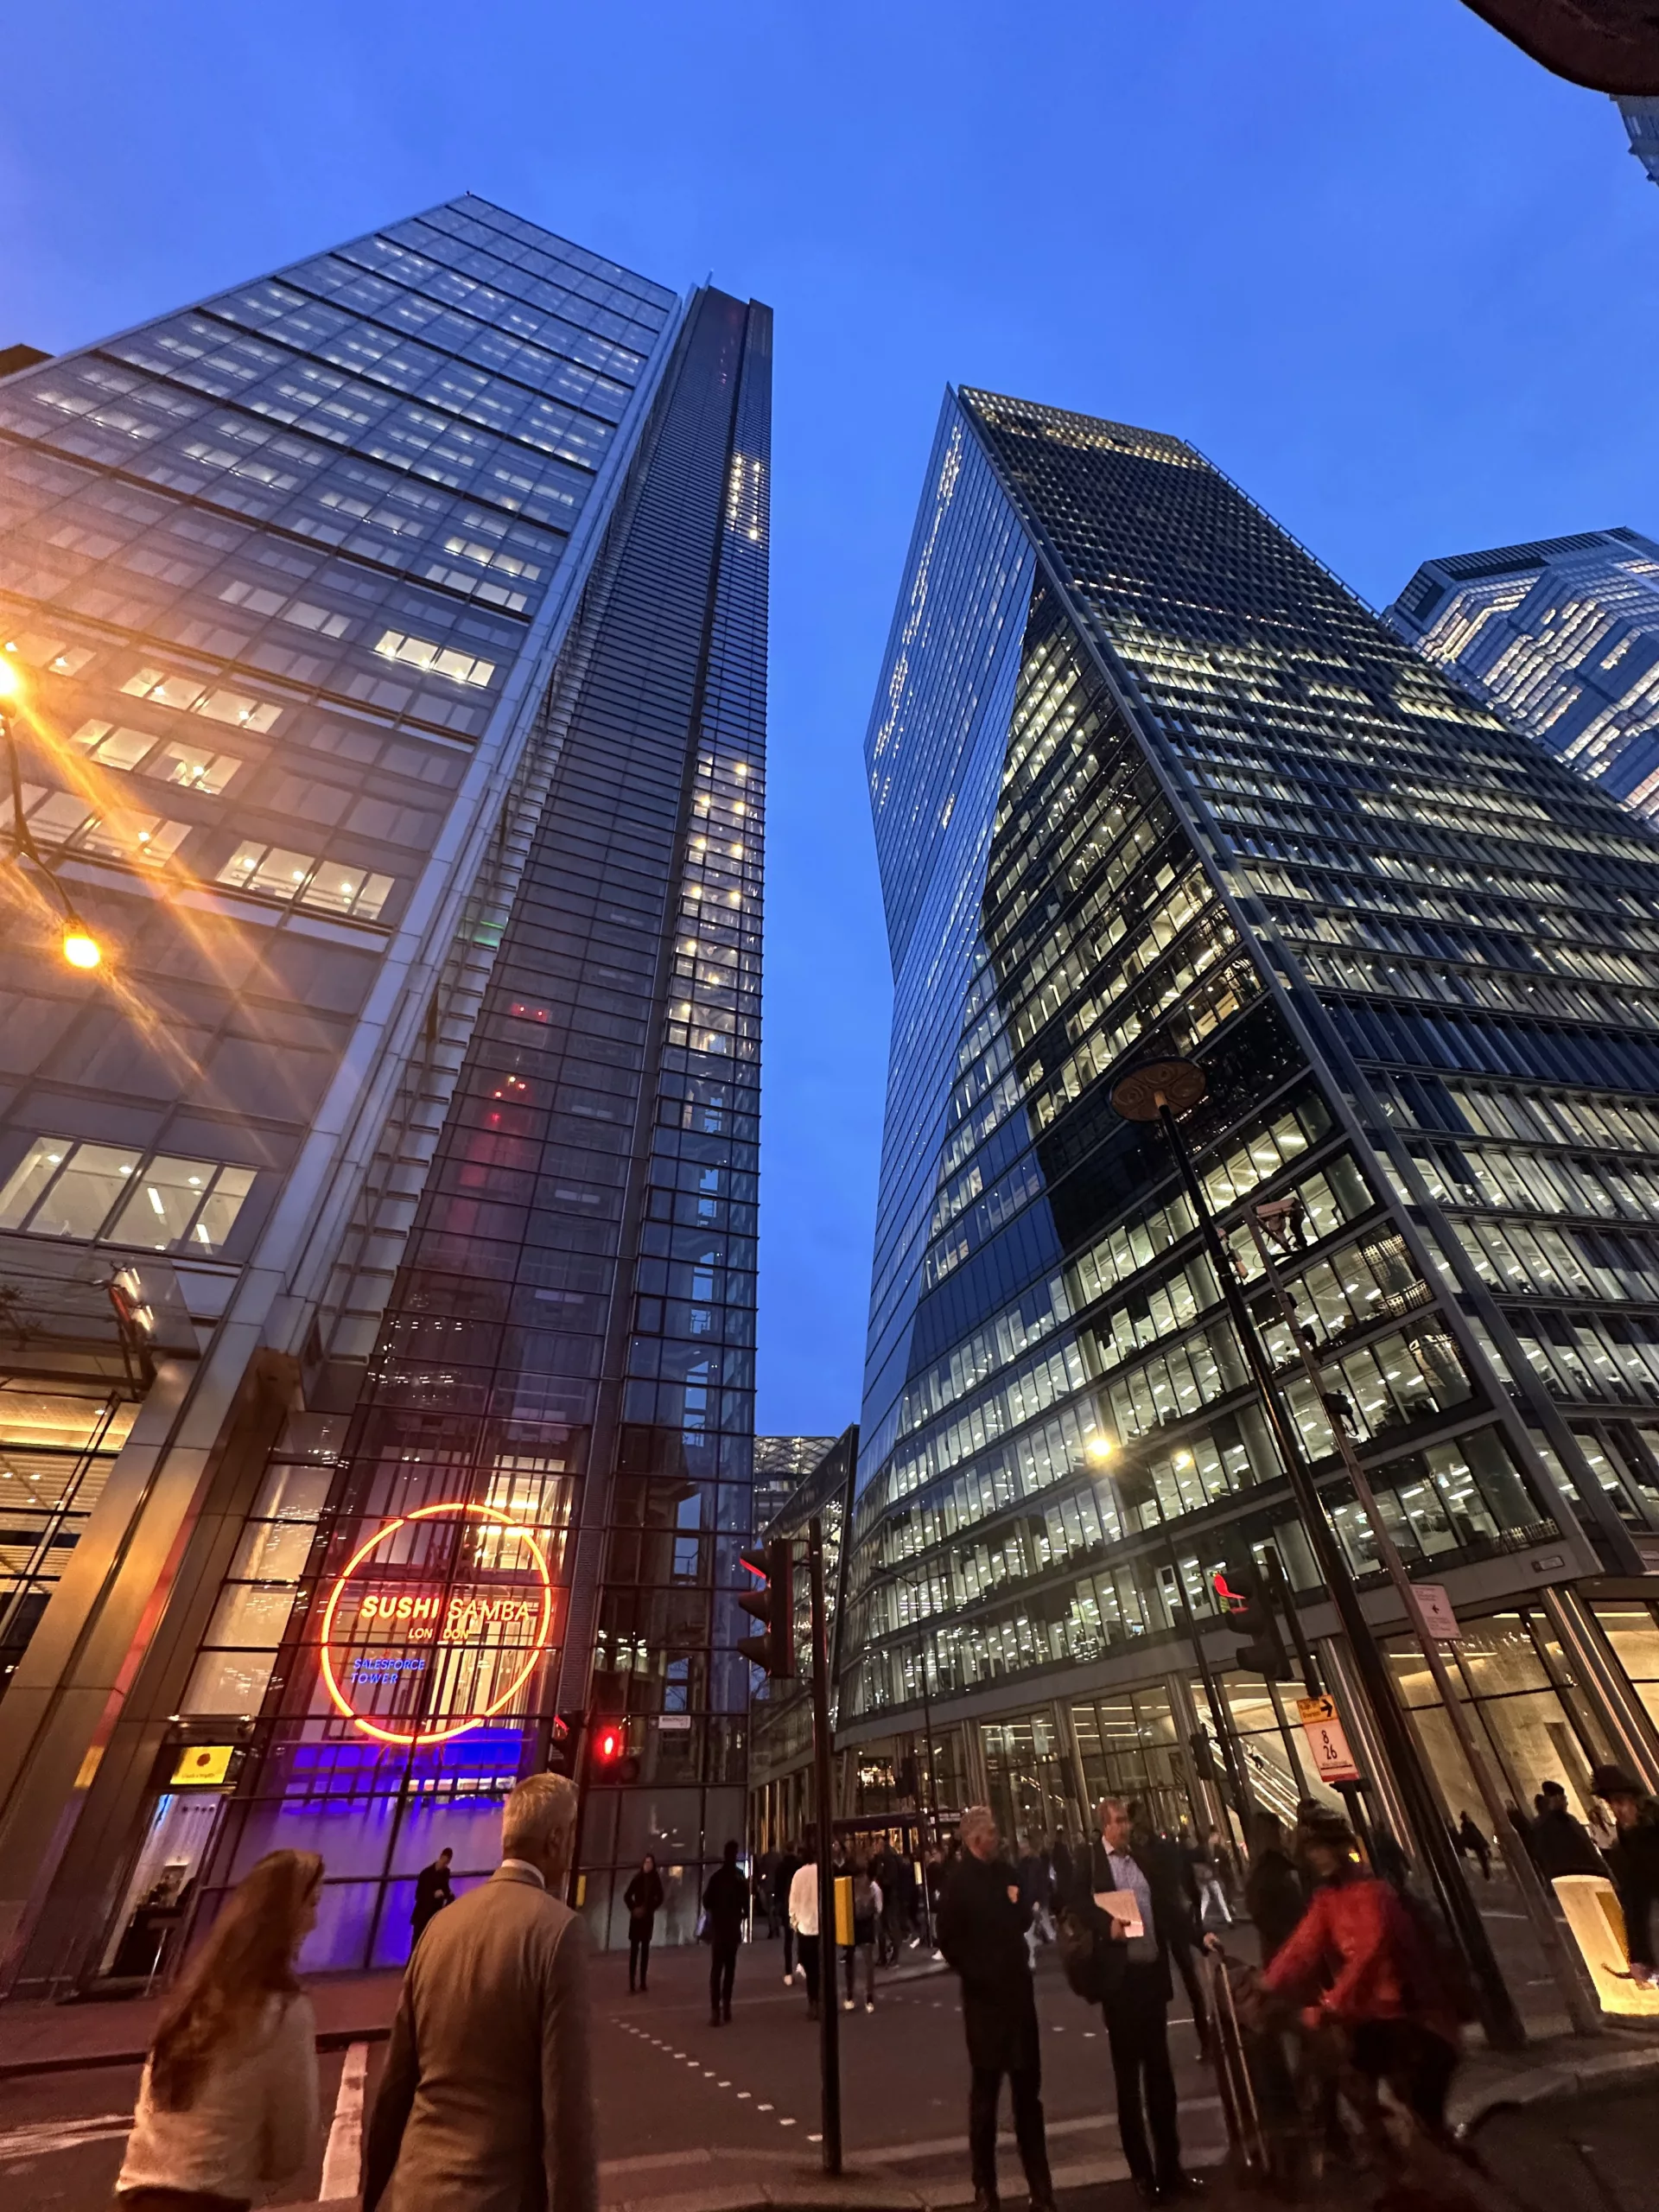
point(1147, 781)
point(378, 1222)
point(1561, 639)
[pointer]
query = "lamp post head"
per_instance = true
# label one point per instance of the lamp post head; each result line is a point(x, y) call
point(1143, 1094)
point(80, 948)
point(10, 682)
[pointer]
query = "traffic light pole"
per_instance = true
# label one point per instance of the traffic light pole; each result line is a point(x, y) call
point(829, 2007)
point(1219, 1713)
point(1153, 1087)
point(1582, 2011)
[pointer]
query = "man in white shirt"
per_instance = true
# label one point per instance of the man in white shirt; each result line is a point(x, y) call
point(803, 1919)
point(1136, 2004)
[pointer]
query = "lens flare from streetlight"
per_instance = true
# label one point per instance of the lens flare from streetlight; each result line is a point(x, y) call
point(1100, 1449)
point(80, 948)
point(10, 682)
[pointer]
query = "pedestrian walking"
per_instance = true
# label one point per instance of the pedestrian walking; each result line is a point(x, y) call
point(867, 1912)
point(1207, 1860)
point(981, 1932)
point(1359, 1959)
point(432, 1893)
point(725, 1902)
point(783, 1880)
point(227, 2104)
point(1474, 1845)
point(1146, 1906)
point(765, 1889)
point(643, 1899)
point(803, 1919)
point(486, 2100)
point(1275, 1898)
point(1559, 1844)
point(1633, 1862)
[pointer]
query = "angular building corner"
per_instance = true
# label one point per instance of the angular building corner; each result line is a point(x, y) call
point(1146, 781)
point(377, 1223)
point(1560, 638)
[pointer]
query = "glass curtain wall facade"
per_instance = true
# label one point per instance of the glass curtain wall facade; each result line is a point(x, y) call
point(433, 1030)
point(1560, 640)
point(1147, 781)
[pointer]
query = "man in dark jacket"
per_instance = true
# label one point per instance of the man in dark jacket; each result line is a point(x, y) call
point(1137, 1991)
point(726, 1901)
point(432, 1893)
point(1174, 1869)
point(981, 1928)
point(1633, 1861)
point(1558, 1844)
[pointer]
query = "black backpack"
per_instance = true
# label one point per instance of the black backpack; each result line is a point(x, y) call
point(1078, 1940)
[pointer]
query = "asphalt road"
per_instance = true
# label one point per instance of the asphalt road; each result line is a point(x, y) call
point(669, 2089)
point(682, 2105)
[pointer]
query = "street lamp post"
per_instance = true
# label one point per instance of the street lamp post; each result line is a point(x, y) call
point(1157, 1091)
point(80, 948)
point(1102, 1450)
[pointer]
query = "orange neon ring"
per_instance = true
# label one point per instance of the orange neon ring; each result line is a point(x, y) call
point(416, 1741)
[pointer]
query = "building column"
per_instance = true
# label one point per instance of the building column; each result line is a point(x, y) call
point(1633, 1733)
point(1338, 1668)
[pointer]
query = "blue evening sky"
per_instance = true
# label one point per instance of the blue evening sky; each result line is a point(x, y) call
point(1391, 276)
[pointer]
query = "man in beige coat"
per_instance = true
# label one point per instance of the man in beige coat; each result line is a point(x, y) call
point(484, 2105)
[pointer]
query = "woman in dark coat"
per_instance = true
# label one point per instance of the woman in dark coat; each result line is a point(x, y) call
point(644, 1899)
point(981, 1928)
point(1273, 1896)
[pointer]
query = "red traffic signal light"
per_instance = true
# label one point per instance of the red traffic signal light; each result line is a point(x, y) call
point(1246, 1602)
point(773, 1605)
point(608, 1757)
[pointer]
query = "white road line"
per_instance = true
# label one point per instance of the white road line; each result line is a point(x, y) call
point(342, 2161)
point(41, 2139)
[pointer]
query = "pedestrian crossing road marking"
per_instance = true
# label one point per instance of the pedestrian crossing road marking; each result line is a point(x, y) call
point(42, 2139)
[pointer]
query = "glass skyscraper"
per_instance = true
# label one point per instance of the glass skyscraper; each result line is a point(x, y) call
point(377, 1223)
point(1561, 639)
point(1147, 781)
point(1640, 115)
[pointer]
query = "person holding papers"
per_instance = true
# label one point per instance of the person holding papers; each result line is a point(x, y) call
point(1130, 1891)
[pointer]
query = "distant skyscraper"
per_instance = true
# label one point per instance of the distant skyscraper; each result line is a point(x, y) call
point(1147, 781)
point(1641, 118)
point(378, 1225)
point(1561, 639)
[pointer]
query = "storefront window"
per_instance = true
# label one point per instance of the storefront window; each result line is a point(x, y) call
point(1632, 1632)
point(1537, 1724)
point(1129, 1746)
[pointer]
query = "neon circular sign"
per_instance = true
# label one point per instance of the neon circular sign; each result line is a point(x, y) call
point(381, 1627)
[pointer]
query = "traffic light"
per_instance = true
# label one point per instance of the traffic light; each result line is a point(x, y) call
point(610, 1761)
point(772, 1605)
point(564, 1752)
point(1243, 1595)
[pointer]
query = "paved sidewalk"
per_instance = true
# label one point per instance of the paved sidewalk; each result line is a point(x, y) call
point(42, 2039)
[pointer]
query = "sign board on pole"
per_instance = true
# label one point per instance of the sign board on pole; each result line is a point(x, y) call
point(1322, 1725)
point(1435, 1608)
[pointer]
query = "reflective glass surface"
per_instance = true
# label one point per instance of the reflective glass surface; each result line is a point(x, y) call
point(1214, 809)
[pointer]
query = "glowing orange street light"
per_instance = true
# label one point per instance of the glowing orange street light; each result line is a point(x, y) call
point(80, 948)
point(10, 682)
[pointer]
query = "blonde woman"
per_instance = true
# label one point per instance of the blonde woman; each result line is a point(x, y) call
point(228, 2103)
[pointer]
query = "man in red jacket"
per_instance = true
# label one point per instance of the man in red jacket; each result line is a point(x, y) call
point(1360, 1959)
